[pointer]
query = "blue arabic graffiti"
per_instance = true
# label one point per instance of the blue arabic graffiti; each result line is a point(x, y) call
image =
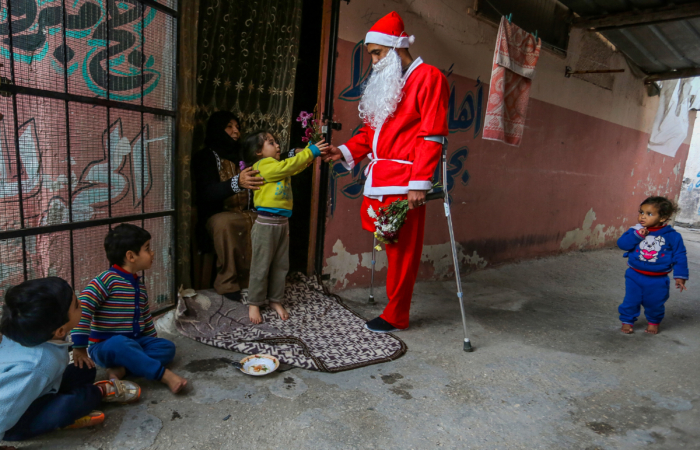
point(468, 114)
point(358, 76)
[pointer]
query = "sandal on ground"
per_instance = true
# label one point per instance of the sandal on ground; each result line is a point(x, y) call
point(92, 419)
point(120, 391)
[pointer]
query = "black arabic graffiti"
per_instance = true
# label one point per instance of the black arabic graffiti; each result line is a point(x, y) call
point(88, 15)
point(125, 40)
point(24, 14)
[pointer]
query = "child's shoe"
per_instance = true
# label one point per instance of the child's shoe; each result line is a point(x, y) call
point(120, 391)
point(92, 419)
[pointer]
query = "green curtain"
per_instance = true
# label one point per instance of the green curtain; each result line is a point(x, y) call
point(246, 63)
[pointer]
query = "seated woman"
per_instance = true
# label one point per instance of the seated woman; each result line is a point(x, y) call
point(224, 203)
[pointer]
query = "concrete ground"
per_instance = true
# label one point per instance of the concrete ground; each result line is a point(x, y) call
point(551, 370)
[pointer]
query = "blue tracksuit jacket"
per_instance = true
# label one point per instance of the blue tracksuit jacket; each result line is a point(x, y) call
point(661, 251)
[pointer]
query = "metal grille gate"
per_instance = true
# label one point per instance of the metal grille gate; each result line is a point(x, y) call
point(87, 136)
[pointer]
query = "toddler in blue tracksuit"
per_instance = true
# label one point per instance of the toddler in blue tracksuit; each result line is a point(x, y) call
point(653, 250)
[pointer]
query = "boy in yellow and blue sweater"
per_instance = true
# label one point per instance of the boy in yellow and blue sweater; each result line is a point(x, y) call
point(270, 233)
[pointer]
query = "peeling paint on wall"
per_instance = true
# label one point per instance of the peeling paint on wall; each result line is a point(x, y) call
point(588, 236)
point(651, 188)
point(439, 256)
point(341, 264)
point(476, 260)
point(381, 261)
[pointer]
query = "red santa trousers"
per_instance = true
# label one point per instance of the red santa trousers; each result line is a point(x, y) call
point(404, 259)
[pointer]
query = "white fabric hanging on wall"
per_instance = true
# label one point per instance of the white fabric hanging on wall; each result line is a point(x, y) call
point(670, 128)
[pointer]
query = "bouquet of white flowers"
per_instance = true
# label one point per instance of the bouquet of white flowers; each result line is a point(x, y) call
point(388, 220)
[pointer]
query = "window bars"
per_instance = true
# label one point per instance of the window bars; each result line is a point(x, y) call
point(87, 136)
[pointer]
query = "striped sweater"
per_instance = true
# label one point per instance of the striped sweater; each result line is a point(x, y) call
point(114, 303)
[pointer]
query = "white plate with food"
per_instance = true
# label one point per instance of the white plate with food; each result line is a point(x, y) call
point(257, 365)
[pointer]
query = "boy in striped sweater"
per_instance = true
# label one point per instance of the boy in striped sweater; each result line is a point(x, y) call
point(116, 329)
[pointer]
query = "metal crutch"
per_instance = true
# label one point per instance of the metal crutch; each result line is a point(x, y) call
point(371, 282)
point(455, 259)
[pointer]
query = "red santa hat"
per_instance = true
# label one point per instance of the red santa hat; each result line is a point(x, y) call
point(389, 32)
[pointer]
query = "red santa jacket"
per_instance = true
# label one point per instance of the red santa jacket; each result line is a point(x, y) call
point(401, 159)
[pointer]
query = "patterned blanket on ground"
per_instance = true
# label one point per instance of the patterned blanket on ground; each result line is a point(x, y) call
point(321, 334)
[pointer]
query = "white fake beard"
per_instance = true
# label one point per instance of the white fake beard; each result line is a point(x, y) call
point(383, 90)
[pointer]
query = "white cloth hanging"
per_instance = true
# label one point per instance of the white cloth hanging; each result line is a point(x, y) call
point(670, 128)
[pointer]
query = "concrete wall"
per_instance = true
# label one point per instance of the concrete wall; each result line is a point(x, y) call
point(689, 199)
point(574, 183)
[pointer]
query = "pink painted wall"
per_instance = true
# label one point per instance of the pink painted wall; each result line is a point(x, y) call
point(574, 183)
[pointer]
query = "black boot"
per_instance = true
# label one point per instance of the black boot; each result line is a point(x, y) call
point(380, 325)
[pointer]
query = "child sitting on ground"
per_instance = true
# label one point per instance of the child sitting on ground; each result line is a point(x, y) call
point(653, 249)
point(270, 233)
point(116, 329)
point(39, 390)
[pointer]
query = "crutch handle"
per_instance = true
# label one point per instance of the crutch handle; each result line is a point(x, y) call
point(437, 194)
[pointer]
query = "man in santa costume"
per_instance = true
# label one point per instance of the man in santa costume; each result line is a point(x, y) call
point(404, 109)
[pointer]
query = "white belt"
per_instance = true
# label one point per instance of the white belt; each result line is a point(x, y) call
point(372, 161)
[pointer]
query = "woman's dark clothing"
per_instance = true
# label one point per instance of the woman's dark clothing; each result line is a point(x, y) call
point(225, 216)
point(211, 190)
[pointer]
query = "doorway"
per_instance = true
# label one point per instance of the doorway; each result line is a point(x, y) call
point(306, 89)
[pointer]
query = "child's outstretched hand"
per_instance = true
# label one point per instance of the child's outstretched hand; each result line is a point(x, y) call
point(643, 231)
point(680, 284)
point(81, 358)
point(322, 145)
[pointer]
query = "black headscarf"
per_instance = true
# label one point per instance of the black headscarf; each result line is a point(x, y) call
point(218, 140)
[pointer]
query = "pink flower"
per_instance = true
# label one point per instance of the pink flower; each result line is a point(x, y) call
point(304, 118)
point(304, 139)
point(241, 164)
